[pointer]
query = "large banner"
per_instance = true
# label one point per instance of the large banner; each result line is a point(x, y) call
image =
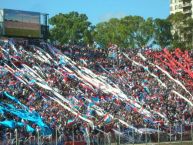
point(22, 23)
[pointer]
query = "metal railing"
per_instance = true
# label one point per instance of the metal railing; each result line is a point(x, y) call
point(179, 134)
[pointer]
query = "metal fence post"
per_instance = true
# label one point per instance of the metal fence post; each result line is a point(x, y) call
point(104, 143)
point(133, 133)
point(10, 136)
point(51, 139)
point(158, 135)
point(35, 138)
point(73, 137)
point(16, 139)
point(110, 138)
point(119, 138)
point(89, 138)
point(38, 137)
point(175, 137)
point(98, 140)
point(170, 133)
point(104, 139)
point(192, 132)
point(56, 136)
point(145, 134)
point(181, 135)
point(30, 140)
point(18, 136)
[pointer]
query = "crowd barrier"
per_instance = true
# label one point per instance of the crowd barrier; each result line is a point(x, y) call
point(178, 134)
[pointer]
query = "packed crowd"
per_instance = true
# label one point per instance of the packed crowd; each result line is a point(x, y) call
point(83, 92)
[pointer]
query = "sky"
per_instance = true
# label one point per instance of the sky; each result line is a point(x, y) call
point(96, 10)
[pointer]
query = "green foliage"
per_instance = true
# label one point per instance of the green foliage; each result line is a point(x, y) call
point(71, 28)
point(163, 35)
point(108, 32)
point(188, 33)
point(128, 32)
point(182, 28)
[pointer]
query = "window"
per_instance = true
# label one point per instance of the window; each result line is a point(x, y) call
point(22, 23)
point(22, 16)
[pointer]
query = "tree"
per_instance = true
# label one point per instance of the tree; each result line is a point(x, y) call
point(182, 30)
point(128, 32)
point(101, 34)
point(130, 26)
point(145, 32)
point(188, 33)
point(71, 28)
point(109, 33)
point(163, 35)
point(139, 31)
point(177, 29)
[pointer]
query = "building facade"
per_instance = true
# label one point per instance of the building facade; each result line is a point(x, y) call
point(184, 6)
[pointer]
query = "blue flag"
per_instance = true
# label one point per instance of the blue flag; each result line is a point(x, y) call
point(20, 124)
point(7, 123)
point(30, 129)
point(24, 114)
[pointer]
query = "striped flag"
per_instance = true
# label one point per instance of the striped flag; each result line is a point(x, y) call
point(107, 118)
